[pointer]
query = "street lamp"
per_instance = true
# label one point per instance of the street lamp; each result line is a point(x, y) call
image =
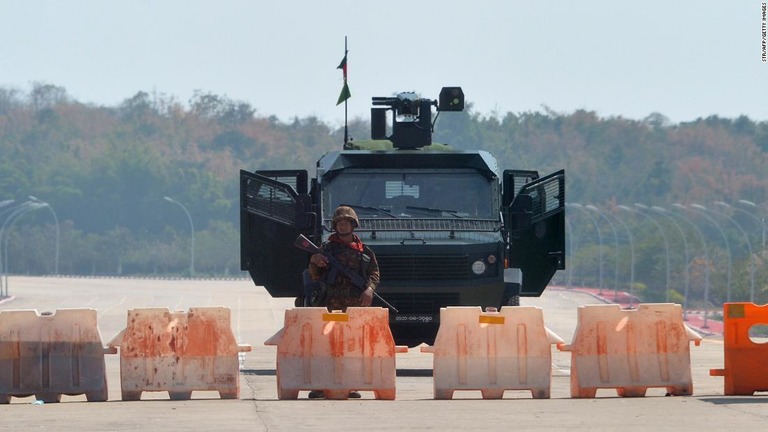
point(663, 236)
point(761, 219)
point(663, 213)
point(599, 239)
point(13, 214)
point(706, 258)
point(749, 246)
point(631, 263)
point(56, 220)
point(702, 212)
point(192, 229)
point(19, 211)
point(616, 245)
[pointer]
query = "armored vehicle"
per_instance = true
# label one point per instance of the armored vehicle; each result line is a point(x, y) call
point(447, 227)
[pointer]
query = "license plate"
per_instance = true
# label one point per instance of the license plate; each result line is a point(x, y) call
point(414, 318)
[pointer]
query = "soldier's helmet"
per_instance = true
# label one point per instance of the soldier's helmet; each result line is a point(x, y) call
point(344, 212)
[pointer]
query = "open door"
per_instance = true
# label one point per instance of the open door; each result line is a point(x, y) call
point(535, 223)
point(272, 215)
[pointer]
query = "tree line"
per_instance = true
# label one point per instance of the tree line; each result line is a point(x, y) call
point(106, 171)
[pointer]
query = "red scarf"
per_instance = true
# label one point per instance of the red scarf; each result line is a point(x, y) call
point(355, 244)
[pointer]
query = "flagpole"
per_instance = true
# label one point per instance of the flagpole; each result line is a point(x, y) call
point(346, 131)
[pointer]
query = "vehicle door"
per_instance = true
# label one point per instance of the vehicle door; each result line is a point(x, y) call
point(535, 223)
point(274, 209)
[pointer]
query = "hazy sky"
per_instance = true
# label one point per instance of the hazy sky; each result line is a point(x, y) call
point(684, 59)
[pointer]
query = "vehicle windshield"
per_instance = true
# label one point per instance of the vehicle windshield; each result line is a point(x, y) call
point(433, 194)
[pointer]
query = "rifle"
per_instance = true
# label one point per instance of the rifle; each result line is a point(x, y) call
point(305, 244)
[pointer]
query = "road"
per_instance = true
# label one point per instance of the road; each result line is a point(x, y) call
point(256, 316)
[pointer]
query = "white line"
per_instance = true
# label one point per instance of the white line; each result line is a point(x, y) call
point(103, 311)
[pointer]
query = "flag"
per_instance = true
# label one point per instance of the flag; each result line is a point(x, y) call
point(345, 94)
point(343, 66)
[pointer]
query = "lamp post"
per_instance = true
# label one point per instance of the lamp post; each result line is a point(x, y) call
point(599, 239)
point(631, 263)
point(13, 214)
point(663, 236)
point(56, 220)
point(759, 219)
point(616, 245)
point(706, 258)
point(4, 203)
point(749, 246)
point(21, 210)
point(663, 212)
point(702, 212)
point(192, 229)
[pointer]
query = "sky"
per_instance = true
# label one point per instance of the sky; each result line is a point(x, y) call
point(683, 59)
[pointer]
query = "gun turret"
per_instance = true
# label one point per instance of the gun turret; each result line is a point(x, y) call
point(411, 116)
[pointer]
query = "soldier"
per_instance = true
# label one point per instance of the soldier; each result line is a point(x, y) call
point(340, 293)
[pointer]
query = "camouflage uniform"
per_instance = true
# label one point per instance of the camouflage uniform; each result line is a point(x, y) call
point(341, 293)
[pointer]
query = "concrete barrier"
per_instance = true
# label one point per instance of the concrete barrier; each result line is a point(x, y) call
point(631, 350)
point(51, 354)
point(746, 361)
point(335, 352)
point(179, 352)
point(492, 352)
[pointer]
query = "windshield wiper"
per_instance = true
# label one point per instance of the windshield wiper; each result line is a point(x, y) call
point(453, 213)
point(376, 209)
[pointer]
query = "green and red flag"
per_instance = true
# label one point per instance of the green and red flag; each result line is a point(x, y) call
point(343, 66)
point(345, 94)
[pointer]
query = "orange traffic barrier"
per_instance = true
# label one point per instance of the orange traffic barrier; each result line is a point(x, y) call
point(51, 354)
point(492, 352)
point(631, 350)
point(335, 352)
point(746, 362)
point(179, 352)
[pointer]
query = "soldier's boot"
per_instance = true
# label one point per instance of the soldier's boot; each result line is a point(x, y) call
point(316, 394)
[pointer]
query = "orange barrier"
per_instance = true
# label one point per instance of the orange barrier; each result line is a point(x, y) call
point(335, 352)
point(179, 352)
point(50, 354)
point(492, 352)
point(746, 362)
point(631, 350)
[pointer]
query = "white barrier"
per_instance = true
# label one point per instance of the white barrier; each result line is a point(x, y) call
point(51, 354)
point(631, 350)
point(492, 352)
point(335, 352)
point(179, 352)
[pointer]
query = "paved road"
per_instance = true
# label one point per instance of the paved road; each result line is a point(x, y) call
point(256, 316)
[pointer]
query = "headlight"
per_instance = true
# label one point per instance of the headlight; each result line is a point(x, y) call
point(478, 267)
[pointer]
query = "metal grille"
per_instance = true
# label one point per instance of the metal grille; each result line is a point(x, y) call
point(429, 225)
point(424, 267)
point(421, 303)
point(548, 196)
point(271, 200)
